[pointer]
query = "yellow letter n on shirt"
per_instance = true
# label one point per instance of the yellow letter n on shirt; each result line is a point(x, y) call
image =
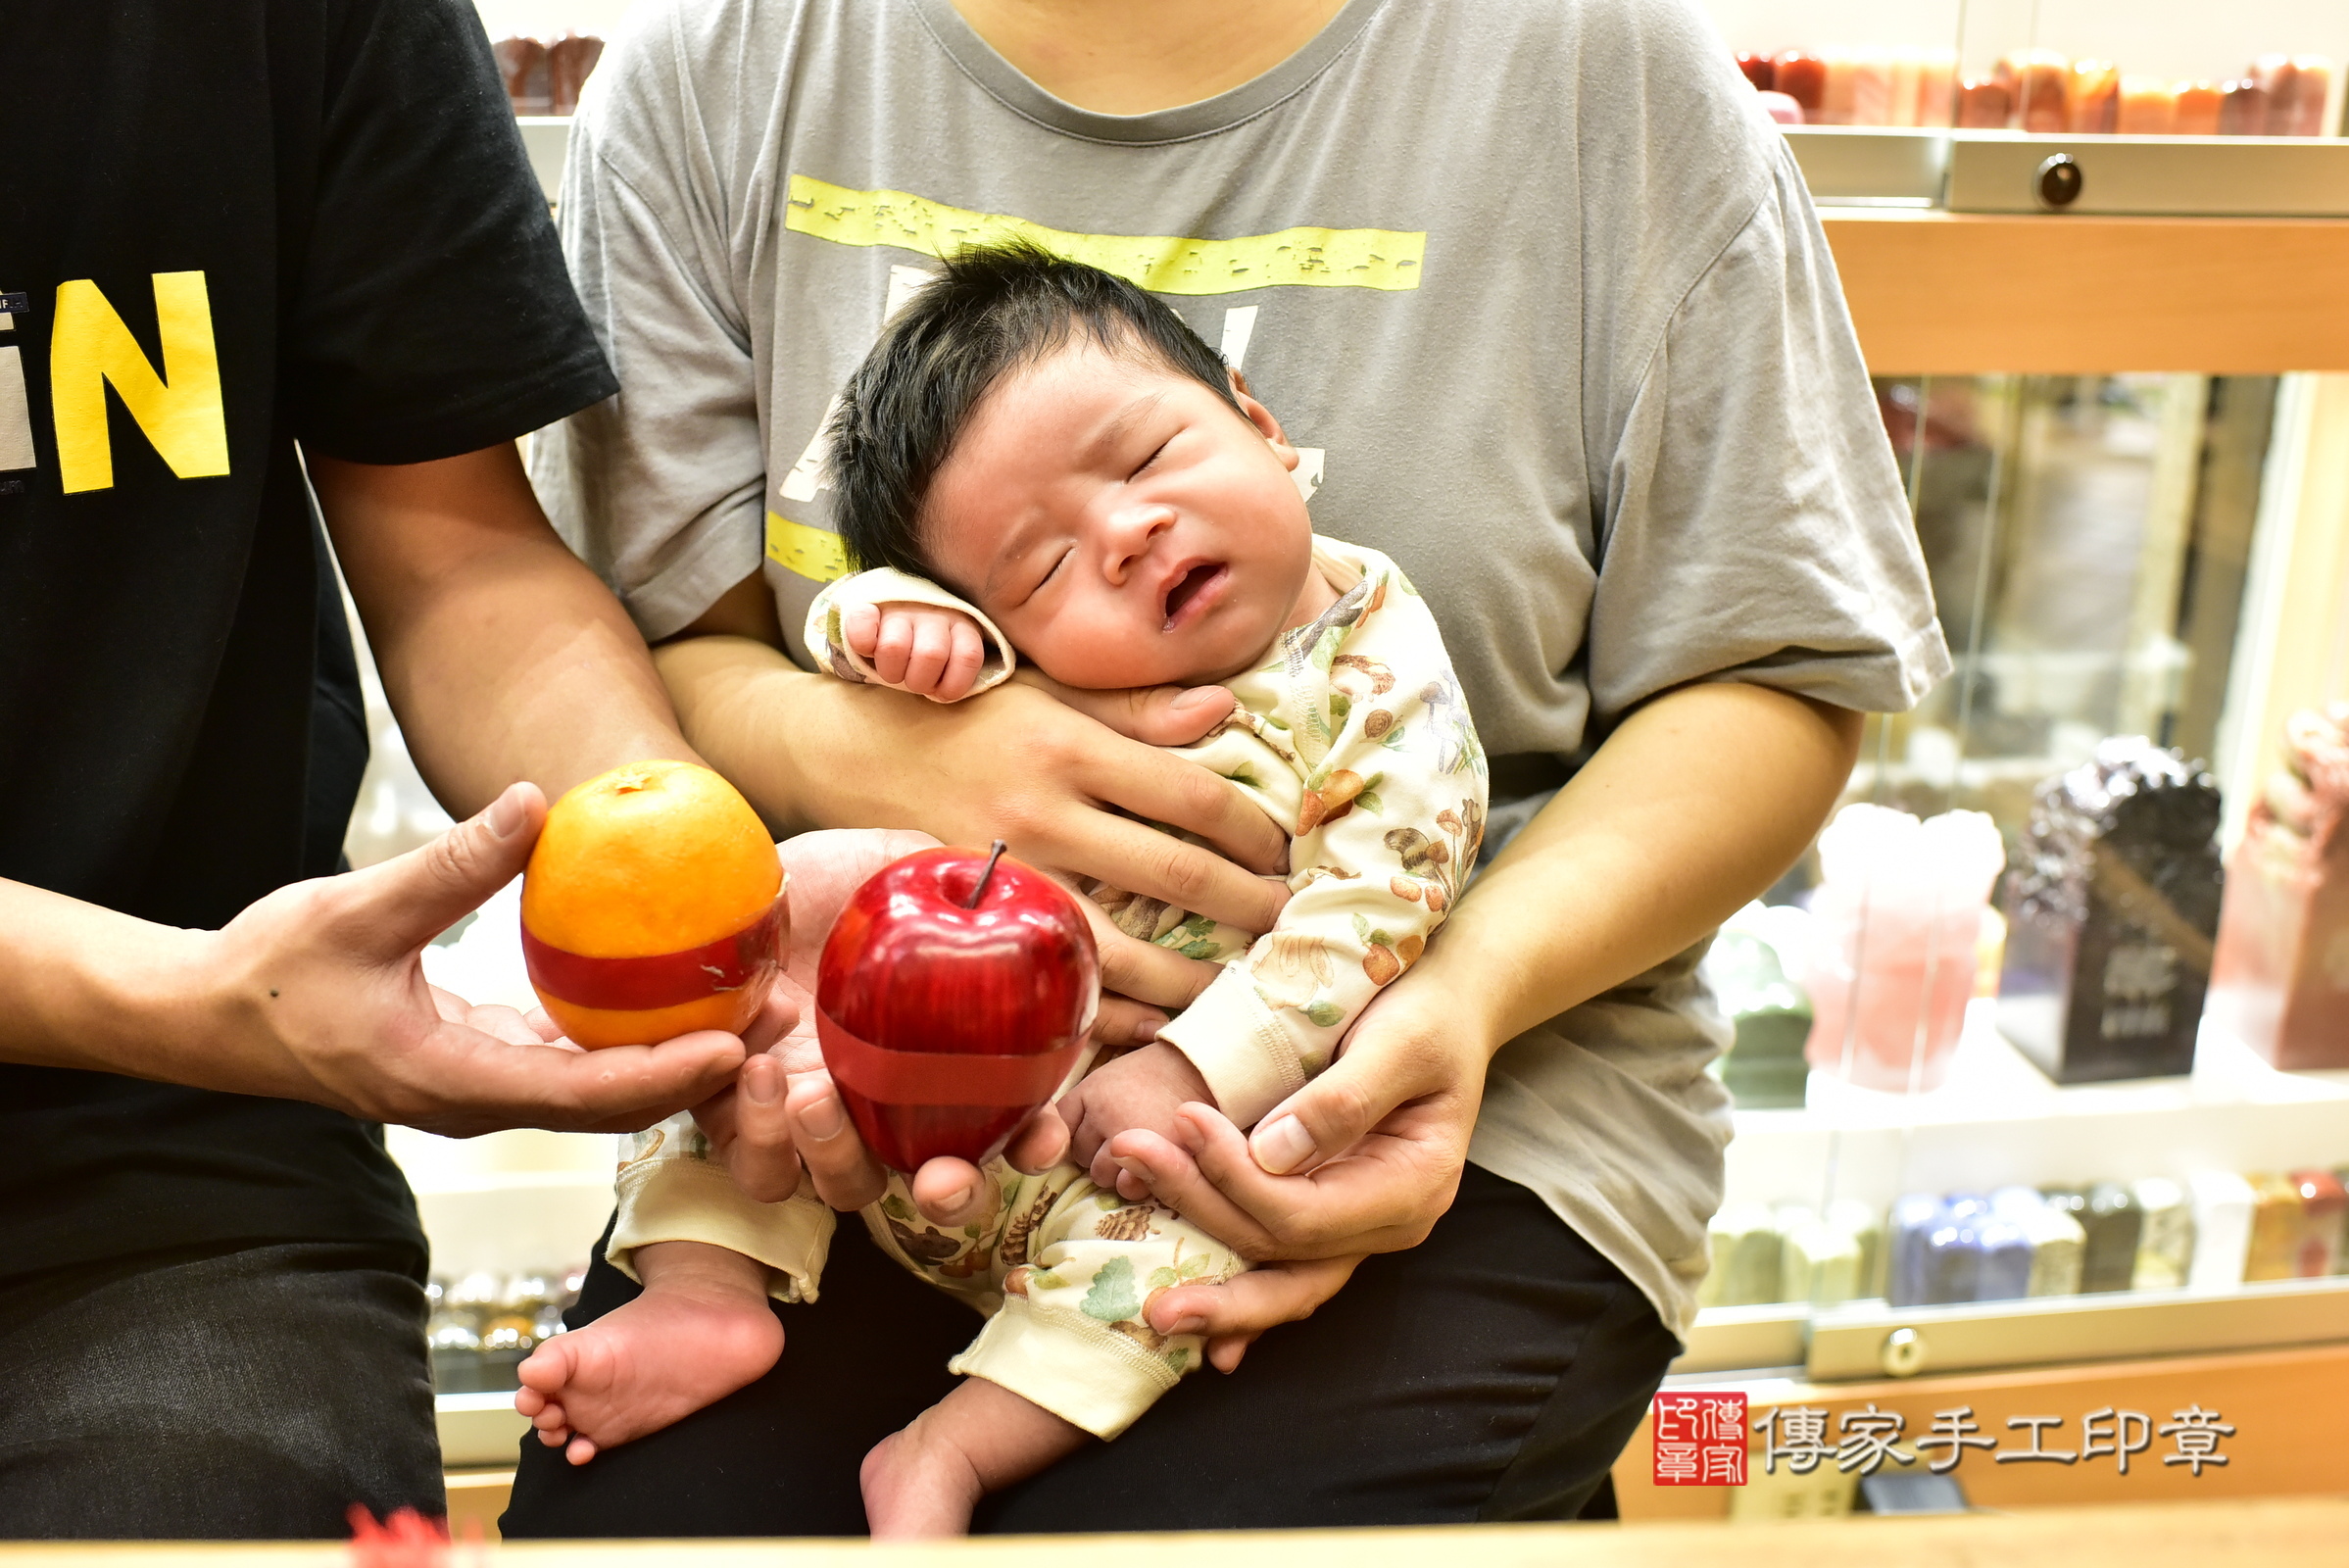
point(180, 411)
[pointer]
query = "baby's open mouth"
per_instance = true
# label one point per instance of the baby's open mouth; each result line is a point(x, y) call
point(1187, 586)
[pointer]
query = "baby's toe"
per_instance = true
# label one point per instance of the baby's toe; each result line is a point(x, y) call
point(581, 1450)
point(545, 1370)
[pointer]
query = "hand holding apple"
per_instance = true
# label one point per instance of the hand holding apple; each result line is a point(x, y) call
point(953, 1000)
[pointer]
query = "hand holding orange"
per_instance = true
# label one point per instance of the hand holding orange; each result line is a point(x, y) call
point(653, 906)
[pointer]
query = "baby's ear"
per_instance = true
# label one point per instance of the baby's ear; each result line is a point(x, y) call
point(1257, 415)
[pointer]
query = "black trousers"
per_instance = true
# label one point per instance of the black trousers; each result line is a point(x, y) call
point(1493, 1372)
point(246, 1394)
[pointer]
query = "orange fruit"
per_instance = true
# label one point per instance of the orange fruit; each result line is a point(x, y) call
point(652, 906)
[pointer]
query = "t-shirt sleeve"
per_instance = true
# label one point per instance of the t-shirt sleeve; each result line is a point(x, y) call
point(1757, 529)
point(428, 313)
point(662, 489)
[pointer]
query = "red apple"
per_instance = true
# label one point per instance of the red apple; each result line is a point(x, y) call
point(951, 1000)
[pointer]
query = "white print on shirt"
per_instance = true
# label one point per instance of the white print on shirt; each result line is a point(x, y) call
point(807, 476)
point(1238, 325)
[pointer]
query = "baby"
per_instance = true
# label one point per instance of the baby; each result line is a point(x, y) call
point(1041, 460)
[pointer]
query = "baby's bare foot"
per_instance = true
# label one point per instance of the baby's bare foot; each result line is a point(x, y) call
point(918, 1485)
point(646, 1366)
point(922, 1483)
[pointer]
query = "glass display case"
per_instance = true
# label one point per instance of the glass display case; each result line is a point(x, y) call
point(2043, 1054)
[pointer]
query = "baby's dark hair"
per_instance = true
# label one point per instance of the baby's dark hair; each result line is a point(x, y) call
point(993, 310)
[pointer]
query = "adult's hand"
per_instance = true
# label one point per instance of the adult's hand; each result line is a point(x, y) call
point(1365, 1158)
point(317, 991)
point(328, 976)
point(1035, 766)
point(1232, 1314)
point(783, 1112)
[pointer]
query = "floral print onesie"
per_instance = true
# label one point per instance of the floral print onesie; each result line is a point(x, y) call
point(1352, 735)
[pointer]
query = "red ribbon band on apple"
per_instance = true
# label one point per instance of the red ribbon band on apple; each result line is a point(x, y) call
point(942, 1077)
point(660, 979)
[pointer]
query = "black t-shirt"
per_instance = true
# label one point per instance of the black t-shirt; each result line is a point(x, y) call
point(227, 227)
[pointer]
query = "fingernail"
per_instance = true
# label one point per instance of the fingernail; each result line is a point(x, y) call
point(1282, 1146)
point(825, 1118)
point(504, 814)
point(1197, 696)
point(1146, 1031)
point(761, 1087)
point(1190, 1323)
point(959, 1201)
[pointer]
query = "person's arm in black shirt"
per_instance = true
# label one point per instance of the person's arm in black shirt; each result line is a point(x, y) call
point(507, 658)
point(503, 654)
point(317, 993)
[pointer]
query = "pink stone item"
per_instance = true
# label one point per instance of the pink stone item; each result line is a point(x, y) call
point(1900, 917)
point(2095, 102)
point(2198, 107)
point(2040, 83)
point(2148, 107)
point(1802, 77)
point(2280, 980)
point(1936, 87)
point(2243, 107)
point(1985, 104)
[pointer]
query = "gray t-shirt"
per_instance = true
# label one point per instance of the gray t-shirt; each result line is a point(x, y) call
point(1535, 281)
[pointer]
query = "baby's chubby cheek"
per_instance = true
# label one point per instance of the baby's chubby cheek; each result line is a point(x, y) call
point(1097, 660)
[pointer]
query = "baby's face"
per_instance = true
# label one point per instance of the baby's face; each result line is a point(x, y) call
point(1121, 523)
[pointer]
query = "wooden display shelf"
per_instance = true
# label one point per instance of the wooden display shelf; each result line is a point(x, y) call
point(2280, 1535)
point(1936, 293)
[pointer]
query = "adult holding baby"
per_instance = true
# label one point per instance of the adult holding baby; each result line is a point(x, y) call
point(1543, 301)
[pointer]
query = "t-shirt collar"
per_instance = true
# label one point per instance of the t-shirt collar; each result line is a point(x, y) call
point(1004, 81)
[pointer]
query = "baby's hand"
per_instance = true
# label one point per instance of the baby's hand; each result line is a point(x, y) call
point(1143, 1088)
point(933, 652)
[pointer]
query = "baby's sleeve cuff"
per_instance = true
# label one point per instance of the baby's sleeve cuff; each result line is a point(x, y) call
point(697, 1201)
point(1237, 1044)
point(1084, 1371)
point(885, 585)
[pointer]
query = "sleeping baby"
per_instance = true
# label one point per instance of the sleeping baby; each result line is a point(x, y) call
point(1039, 461)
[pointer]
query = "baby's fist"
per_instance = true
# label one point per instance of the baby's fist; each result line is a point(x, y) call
point(1143, 1088)
point(922, 649)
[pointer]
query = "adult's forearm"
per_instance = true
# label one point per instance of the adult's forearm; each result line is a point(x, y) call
point(503, 654)
point(527, 671)
point(1695, 805)
point(81, 986)
point(756, 717)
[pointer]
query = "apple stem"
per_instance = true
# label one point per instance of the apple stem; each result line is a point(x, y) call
point(985, 877)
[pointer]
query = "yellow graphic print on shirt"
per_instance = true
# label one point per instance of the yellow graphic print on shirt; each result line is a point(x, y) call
point(179, 410)
point(1307, 257)
point(1163, 263)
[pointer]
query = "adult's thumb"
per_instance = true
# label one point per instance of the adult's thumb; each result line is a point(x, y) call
point(411, 899)
point(1324, 1118)
point(1155, 716)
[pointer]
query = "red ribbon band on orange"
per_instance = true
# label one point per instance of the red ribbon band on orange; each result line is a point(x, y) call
point(661, 980)
point(942, 1077)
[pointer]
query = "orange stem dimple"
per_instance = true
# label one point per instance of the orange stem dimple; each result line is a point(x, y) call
point(980, 891)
